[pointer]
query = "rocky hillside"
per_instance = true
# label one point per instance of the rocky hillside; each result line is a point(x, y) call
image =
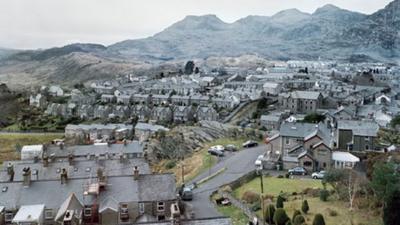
point(329, 32)
point(184, 140)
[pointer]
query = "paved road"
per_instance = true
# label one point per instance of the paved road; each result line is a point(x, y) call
point(236, 164)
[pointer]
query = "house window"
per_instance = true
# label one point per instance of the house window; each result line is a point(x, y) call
point(287, 141)
point(307, 163)
point(324, 165)
point(367, 147)
point(160, 206)
point(87, 211)
point(9, 217)
point(141, 208)
point(48, 214)
point(367, 139)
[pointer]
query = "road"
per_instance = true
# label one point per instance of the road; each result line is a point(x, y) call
point(236, 164)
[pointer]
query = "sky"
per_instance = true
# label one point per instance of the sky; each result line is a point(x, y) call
point(32, 24)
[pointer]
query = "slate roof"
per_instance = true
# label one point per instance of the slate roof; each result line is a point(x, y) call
point(53, 194)
point(306, 95)
point(84, 150)
point(80, 168)
point(359, 128)
point(149, 127)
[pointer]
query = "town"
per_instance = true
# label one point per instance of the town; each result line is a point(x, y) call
point(299, 119)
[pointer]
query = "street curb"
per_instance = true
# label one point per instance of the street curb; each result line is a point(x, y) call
point(211, 176)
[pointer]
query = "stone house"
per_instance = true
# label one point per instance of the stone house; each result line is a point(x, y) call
point(206, 113)
point(355, 135)
point(38, 101)
point(271, 122)
point(301, 101)
point(105, 98)
point(143, 131)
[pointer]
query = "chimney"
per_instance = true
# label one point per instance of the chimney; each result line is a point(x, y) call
point(45, 160)
point(26, 173)
point(10, 171)
point(125, 142)
point(136, 173)
point(71, 159)
point(100, 174)
point(109, 143)
point(61, 145)
point(64, 176)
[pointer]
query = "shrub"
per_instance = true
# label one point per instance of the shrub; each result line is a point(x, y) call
point(323, 195)
point(295, 213)
point(255, 206)
point(294, 193)
point(299, 220)
point(287, 175)
point(280, 217)
point(227, 188)
point(170, 164)
point(269, 214)
point(332, 212)
point(280, 176)
point(318, 220)
point(289, 222)
point(279, 201)
point(250, 197)
point(305, 207)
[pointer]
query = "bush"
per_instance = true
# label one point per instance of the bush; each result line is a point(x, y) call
point(305, 207)
point(287, 175)
point(318, 220)
point(323, 195)
point(294, 193)
point(295, 213)
point(250, 197)
point(255, 206)
point(170, 164)
point(227, 188)
point(280, 176)
point(279, 201)
point(289, 222)
point(269, 214)
point(280, 217)
point(299, 220)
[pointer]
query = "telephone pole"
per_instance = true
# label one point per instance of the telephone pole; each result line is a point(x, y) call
point(262, 197)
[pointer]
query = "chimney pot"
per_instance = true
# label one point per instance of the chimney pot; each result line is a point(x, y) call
point(26, 173)
point(136, 172)
point(45, 160)
point(64, 176)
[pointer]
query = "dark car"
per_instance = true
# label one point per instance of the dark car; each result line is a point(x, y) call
point(250, 144)
point(215, 152)
point(187, 194)
point(297, 171)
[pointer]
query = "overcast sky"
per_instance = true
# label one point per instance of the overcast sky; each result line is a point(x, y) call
point(30, 24)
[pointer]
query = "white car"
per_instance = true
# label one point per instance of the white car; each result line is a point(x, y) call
point(318, 175)
point(218, 148)
point(258, 162)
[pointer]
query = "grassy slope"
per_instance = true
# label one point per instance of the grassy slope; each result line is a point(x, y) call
point(273, 186)
point(8, 142)
point(198, 162)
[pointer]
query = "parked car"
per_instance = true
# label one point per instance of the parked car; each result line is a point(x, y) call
point(318, 175)
point(231, 148)
point(250, 144)
point(216, 152)
point(218, 148)
point(187, 194)
point(258, 162)
point(297, 171)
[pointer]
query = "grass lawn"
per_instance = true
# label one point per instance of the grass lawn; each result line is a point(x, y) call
point(198, 162)
point(236, 215)
point(273, 186)
point(9, 142)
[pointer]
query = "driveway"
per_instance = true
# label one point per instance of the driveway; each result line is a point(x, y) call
point(237, 164)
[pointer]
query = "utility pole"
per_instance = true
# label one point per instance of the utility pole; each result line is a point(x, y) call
point(262, 198)
point(183, 172)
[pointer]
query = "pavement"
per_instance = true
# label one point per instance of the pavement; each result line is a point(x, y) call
point(237, 164)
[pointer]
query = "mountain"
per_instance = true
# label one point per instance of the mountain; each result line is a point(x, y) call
point(329, 32)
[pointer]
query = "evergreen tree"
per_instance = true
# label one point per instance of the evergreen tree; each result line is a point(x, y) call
point(390, 210)
point(299, 220)
point(189, 67)
point(279, 202)
point(305, 207)
point(280, 217)
point(296, 213)
point(318, 220)
point(269, 214)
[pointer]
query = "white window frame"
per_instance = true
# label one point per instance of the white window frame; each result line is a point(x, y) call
point(48, 214)
point(85, 210)
point(141, 208)
point(160, 206)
